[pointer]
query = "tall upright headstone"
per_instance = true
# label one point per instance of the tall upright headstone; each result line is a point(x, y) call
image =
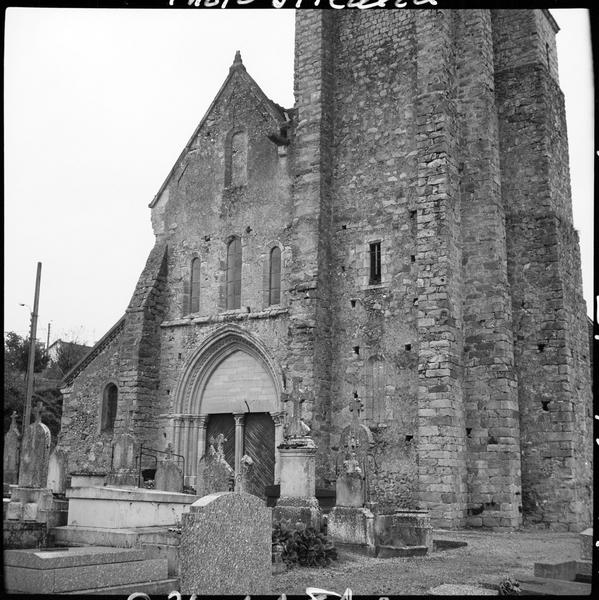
point(35, 452)
point(57, 471)
point(226, 545)
point(169, 476)
point(12, 451)
point(123, 470)
point(297, 500)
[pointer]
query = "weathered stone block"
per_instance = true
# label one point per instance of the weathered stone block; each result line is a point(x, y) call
point(404, 528)
point(353, 527)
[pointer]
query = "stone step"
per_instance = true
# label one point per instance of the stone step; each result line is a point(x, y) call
point(164, 586)
point(385, 551)
point(541, 586)
point(571, 570)
point(60, 570)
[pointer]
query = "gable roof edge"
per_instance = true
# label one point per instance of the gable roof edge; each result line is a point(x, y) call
point(276, 112)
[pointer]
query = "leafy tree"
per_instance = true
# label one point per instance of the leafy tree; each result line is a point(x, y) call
point(16, 354)
point(16, 360)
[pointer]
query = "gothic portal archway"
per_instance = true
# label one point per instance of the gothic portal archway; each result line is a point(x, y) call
point(230, 385)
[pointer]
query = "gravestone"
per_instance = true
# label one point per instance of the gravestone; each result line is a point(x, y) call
point(216, 473)
point(356, 443)
point(297, 501)
point(57, 471)
point(226, 545)
point(35, 452)
point(12, 450)
point(123, 471)
point(169, 476)
point(350, 523)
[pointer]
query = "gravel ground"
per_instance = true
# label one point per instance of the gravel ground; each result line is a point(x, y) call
point(488, 558)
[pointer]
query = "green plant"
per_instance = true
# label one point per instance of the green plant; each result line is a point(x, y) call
point(303, 546)
point(509, 587)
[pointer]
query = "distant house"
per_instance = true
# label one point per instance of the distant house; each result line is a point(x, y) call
point(63, 355)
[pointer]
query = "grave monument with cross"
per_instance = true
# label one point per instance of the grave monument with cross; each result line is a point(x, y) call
point(297, 454)
point(296, 431)
point(355, 448)
point(351, 522)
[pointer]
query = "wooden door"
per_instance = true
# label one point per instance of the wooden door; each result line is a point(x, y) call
point(259, 445)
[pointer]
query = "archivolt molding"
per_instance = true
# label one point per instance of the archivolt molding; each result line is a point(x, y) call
point(210, 354)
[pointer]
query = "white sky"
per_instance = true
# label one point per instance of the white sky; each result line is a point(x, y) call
point(98, 106)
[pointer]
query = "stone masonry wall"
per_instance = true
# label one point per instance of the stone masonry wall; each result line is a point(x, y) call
point(543, 270)
point(375, 174)
point(309, 281)
point(490, 388)
point(441, 438)
point(86, 446)
point(139, 352)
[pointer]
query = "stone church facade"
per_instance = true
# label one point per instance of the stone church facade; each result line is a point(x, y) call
point(404, 232)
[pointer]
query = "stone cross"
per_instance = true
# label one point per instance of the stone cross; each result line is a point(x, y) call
point(297, 428)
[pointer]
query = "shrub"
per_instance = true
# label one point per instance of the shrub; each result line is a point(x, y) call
point(303, 546)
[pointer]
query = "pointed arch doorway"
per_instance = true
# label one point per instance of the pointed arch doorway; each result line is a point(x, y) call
point(231, 387)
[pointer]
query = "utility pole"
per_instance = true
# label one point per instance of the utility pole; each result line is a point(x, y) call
point(30, 366)
point(48, 339)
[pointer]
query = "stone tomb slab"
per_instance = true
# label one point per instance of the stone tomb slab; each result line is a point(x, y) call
point(226, 546)
point(65, 570)
point(353, 528)
point(116, 508)
point(404, 528)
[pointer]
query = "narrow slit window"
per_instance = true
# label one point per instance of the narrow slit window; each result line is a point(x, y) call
point(274, 279)
point(109, 406)
point(375, 263)
point(194, 286)
point(234, 274)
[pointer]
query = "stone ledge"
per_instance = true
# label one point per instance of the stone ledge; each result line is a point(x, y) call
point(226, 317)
point(136, 494)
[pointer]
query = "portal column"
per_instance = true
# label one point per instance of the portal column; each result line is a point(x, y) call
point(193, 449)
point(177, 434)
point(279, 420)
point(202, 426)
point(239, 419)
point(186, 422)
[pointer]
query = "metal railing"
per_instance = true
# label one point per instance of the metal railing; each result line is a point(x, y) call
point(153, 453)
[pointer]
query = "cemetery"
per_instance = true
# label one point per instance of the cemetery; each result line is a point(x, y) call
point(78, 533)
